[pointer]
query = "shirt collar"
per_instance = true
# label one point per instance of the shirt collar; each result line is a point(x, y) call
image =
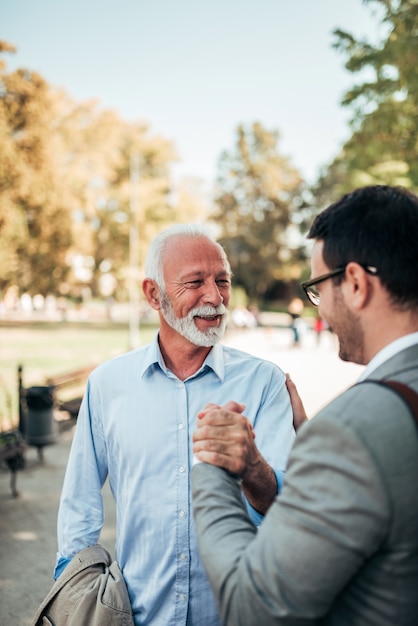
point(387, 352)
point(152, 357)
point(214, 360)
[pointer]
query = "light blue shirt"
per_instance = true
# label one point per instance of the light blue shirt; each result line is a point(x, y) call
point(135, 426)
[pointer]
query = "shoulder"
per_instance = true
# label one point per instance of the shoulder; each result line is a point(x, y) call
point(368, 413)
point(234, 357)
point(357, 405)
point(121, 364)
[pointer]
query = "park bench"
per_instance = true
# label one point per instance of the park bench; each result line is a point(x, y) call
point(67, 392)
point(44, 408)
point(68, 389)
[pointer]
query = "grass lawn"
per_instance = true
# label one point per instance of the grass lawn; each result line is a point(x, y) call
point(50, 348)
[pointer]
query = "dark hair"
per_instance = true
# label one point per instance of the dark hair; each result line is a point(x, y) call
point(378, 226)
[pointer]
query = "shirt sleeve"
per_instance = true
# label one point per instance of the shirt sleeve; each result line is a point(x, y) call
point(60, 566)
point(80, 514)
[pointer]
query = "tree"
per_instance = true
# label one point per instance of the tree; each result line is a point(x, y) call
point(384, 145)
point(258, 191)
point(97, 149)
point(34, 221)
point(65, 188)
point(143, 205)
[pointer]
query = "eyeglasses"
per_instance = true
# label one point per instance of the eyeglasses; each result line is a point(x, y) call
point(312, 292)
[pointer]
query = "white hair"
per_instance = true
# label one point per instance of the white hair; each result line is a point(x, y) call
point(154, 260)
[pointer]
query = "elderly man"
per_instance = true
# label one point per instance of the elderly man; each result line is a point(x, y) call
point(136, 423)
point(339, 545)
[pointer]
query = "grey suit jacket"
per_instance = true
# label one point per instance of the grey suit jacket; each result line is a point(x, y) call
point(339, 546)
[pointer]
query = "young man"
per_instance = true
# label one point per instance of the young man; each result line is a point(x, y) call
point(136, 423)
point(339, 546)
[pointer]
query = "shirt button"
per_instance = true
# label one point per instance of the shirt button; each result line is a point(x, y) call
point(181, 469)
point(182, 556)
point(181, 426)
point(182, 513)
point(182, 596)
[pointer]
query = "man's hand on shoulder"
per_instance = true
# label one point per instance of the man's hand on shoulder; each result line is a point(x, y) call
point(299, 413)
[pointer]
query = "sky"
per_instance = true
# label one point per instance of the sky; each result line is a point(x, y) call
point(194, 70)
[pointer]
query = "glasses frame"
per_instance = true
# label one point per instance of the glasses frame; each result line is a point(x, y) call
point(319, 279)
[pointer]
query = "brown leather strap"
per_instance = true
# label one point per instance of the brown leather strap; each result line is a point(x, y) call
point(409, 395)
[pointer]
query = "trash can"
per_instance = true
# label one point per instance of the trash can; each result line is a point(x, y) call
point(40, 426)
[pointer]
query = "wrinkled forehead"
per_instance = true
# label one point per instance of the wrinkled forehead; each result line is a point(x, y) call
point(195, 252)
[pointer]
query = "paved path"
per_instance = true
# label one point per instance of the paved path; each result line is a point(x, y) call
point(28, 523)
point(28, 531)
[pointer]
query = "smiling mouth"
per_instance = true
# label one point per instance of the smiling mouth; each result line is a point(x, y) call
point(208, 318)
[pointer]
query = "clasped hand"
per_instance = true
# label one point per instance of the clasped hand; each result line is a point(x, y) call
point(225, 437)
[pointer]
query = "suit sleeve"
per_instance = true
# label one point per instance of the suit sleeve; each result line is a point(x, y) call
point(331, 515)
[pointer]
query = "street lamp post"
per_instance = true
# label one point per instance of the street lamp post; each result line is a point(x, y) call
point(134, 321)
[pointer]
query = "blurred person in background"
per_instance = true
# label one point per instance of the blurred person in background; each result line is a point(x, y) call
point(295, 310)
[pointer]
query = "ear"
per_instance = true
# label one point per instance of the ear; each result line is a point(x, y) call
point(151, 292)
point(357, 286)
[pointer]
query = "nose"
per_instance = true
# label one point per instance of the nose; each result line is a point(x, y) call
point(212, 295)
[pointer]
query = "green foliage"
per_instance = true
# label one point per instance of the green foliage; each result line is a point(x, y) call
point(384, 145)
point(258, 190)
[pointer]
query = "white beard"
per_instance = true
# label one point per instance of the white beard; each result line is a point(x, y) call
point(186, 326)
